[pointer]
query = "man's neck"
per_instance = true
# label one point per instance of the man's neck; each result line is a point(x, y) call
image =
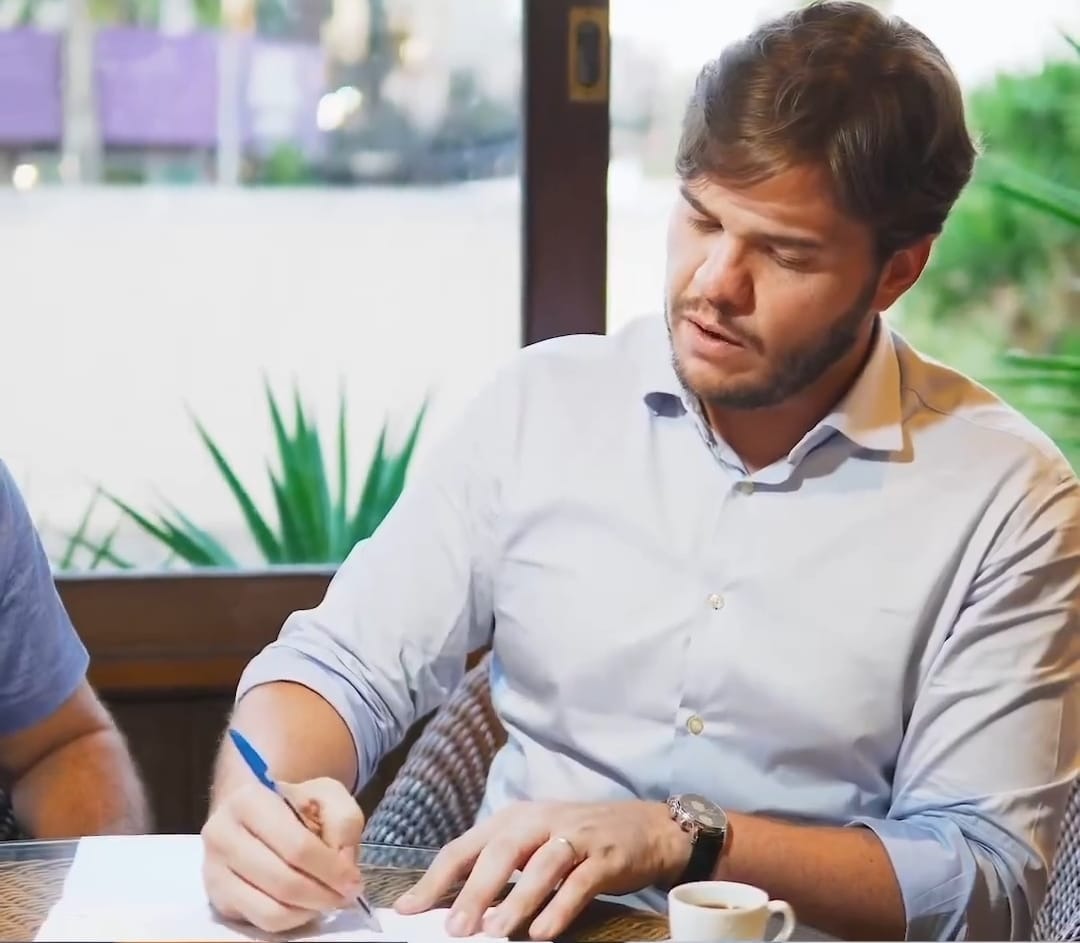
point(763, 436)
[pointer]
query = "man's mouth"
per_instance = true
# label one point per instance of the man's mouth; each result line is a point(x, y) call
point(717, 333)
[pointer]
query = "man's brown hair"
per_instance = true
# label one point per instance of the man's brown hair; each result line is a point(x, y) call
point(869, 98)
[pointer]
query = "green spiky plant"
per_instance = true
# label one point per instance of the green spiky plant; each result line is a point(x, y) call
point(100, 552)
point(1045, 387)
point(313, 521)
point(996, 254)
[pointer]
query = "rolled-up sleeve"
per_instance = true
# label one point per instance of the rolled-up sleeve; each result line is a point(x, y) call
point(389, 640)
point(993, 742)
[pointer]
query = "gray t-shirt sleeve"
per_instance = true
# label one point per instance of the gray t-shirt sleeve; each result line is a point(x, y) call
point(42, 659)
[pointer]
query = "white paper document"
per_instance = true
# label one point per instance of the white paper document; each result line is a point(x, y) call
point(149, 888)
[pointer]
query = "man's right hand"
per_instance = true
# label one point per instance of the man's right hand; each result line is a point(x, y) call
point(262, 866)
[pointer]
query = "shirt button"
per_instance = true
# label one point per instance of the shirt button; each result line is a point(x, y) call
point(716, 601)
point(695, 725)
point(745, 487)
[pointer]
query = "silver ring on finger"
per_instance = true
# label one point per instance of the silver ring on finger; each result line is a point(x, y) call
point(577, 859)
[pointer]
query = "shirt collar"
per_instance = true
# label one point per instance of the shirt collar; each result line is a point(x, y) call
point(662, 389)
point(869, 414)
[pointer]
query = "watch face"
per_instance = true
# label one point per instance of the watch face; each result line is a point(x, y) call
point(704, 812)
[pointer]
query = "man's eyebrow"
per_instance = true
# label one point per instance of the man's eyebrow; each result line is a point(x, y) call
point(694, 202)
point(781, 240)
point(785, 241)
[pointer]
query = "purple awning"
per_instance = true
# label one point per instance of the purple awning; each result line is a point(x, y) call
point(161, 91)
point(30, 88)
point(155, 90)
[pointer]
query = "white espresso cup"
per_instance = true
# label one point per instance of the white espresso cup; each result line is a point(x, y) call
point(724, 910)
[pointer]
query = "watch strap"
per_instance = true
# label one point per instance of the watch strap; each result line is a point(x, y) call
point(706, 825)
point(704, 854)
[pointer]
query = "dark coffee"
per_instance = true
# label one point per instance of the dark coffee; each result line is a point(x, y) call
point(716, 905)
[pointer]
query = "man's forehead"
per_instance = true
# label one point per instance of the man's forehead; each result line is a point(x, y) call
point(797, 198)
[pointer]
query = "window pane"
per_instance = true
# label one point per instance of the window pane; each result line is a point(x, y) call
point(1001, 277)
point(319, 195)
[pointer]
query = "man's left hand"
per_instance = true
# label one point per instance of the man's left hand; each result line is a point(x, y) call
point(568, 852)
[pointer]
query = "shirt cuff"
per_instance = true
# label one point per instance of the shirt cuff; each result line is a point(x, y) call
point(936, 872)
point(281, 662)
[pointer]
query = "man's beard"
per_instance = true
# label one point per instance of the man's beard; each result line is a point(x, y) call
point(796, 370)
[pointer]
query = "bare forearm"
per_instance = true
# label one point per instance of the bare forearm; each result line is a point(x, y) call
point(839, 880)
point(86, 787)
point(298, 733)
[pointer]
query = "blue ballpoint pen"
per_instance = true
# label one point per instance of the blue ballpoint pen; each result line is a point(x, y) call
point(258, 766)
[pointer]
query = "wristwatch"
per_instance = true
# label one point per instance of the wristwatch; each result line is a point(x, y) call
point(707, 826)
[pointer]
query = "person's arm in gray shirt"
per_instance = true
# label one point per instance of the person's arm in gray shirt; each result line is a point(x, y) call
point(68, 765)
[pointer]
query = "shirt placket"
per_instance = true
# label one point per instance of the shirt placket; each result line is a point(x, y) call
point(699, 716)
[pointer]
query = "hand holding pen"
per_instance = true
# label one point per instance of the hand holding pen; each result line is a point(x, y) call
point(261, 869)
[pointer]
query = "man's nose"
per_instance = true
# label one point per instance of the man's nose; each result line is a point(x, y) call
point(724, 277)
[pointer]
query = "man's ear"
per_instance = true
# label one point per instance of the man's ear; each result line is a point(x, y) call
point(901, 271)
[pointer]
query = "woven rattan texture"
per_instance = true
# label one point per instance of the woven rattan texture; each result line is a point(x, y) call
point(9, 829)
point(29, 888)
point(436, 793)
point(1059, 916)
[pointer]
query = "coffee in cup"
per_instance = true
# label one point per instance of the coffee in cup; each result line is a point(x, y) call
point(724, 910)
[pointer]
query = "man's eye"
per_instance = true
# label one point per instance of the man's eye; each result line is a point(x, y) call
point(791, 262)
point(703, 224)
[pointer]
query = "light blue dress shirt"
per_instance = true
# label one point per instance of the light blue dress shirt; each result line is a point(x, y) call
point(880, 629)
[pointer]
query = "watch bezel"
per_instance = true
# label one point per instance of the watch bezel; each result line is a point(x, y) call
point(691, 821)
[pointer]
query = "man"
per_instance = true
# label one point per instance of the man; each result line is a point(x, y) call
point(758, 558)
point(65, 763)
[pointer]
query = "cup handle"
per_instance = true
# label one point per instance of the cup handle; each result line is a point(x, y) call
point(783, 908)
